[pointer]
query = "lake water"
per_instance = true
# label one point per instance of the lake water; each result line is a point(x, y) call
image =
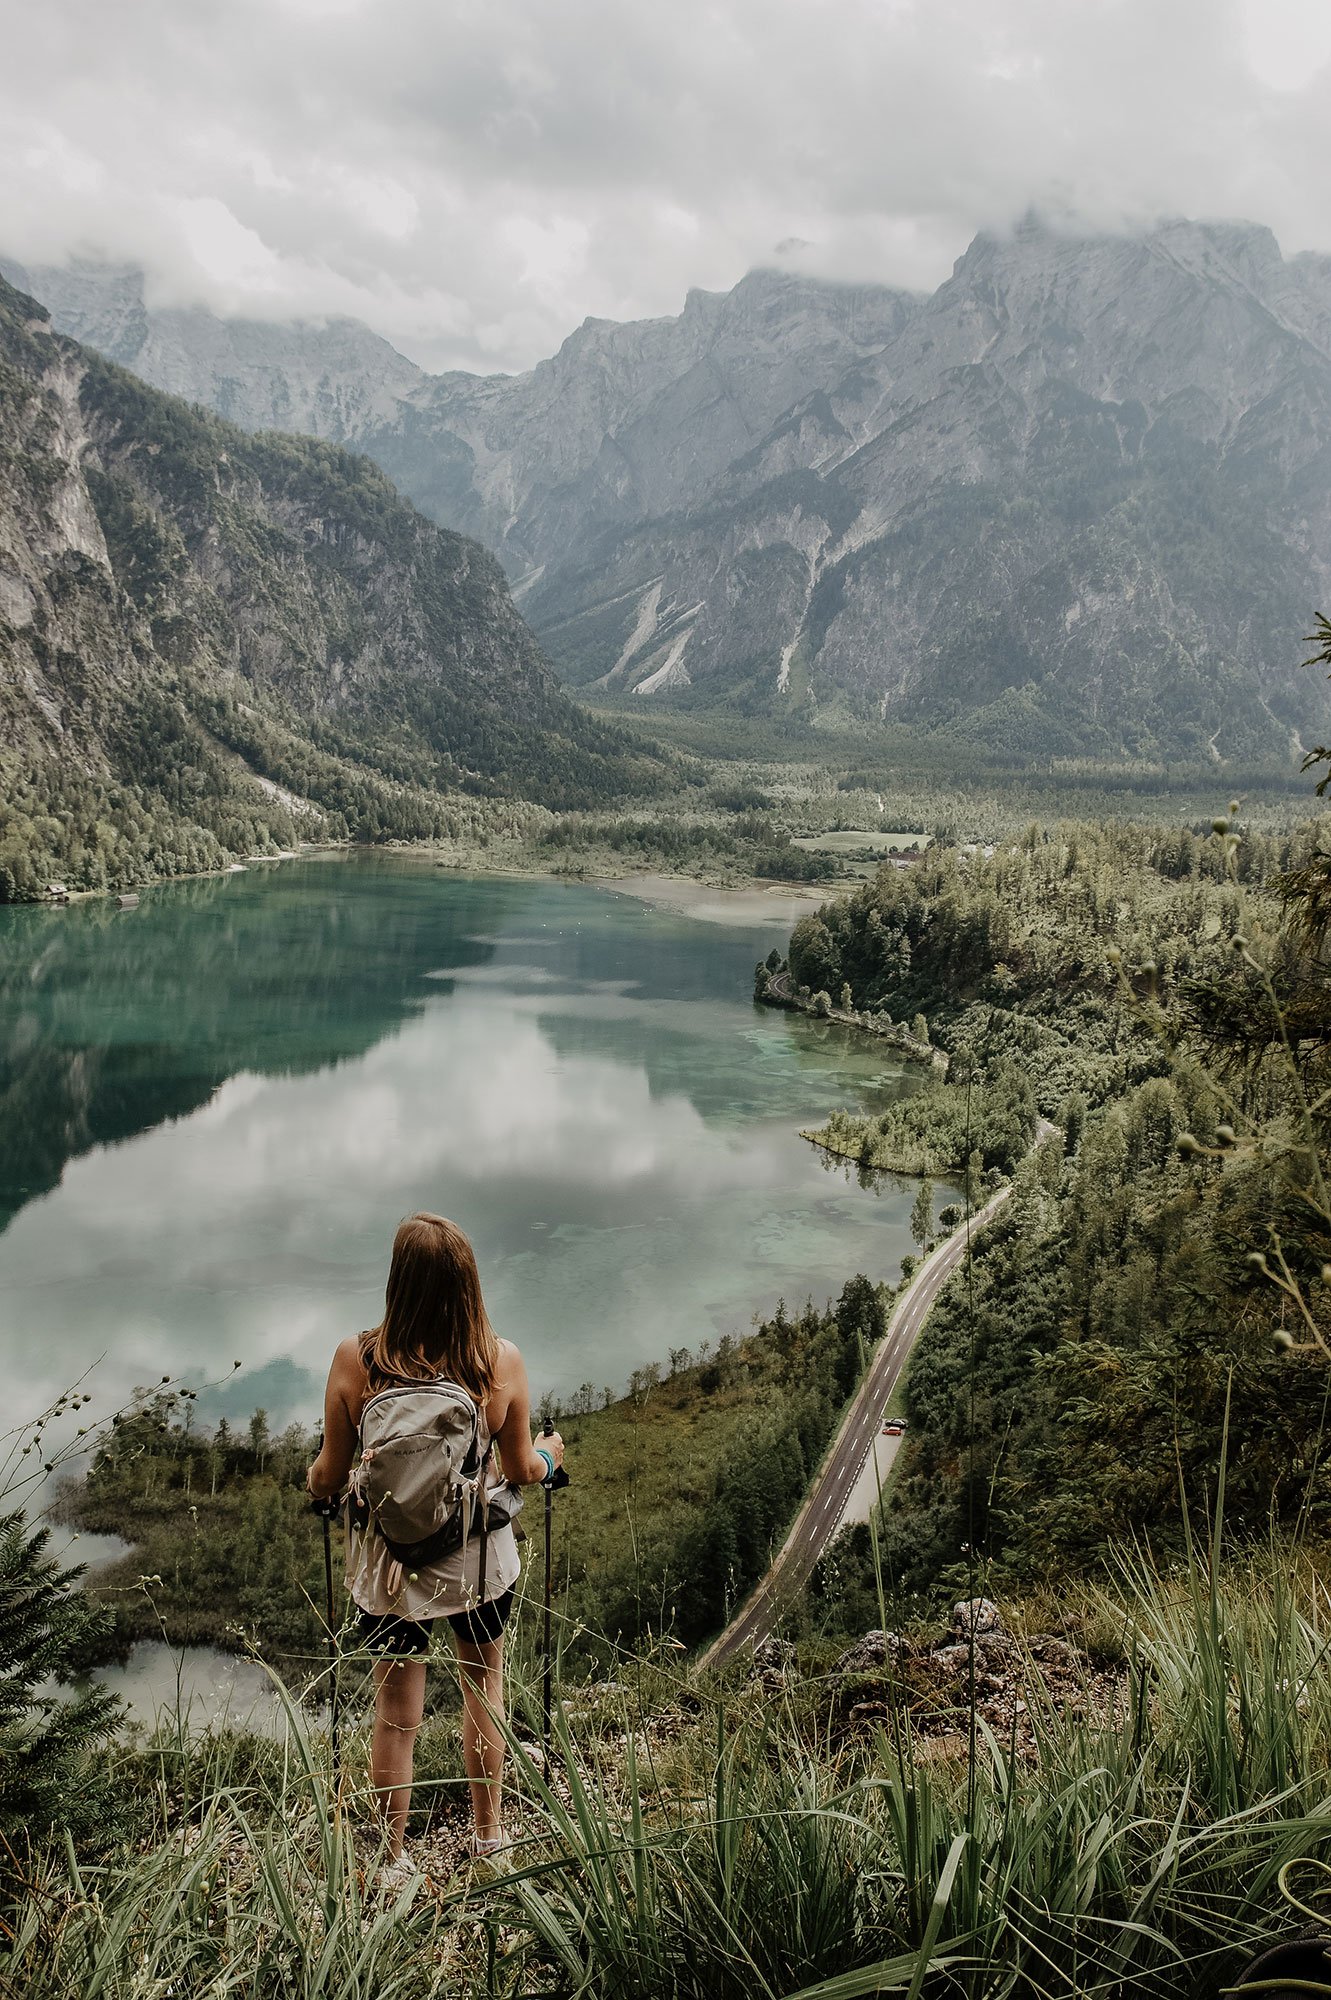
point(217, 1106)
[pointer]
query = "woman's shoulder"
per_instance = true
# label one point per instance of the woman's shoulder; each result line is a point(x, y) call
point(349, 1361)
point(507, 1368)
point(508, 1377)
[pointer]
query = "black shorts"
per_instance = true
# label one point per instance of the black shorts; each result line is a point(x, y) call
point(391, 1637)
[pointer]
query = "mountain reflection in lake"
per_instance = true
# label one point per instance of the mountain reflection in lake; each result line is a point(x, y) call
point(217, 1106)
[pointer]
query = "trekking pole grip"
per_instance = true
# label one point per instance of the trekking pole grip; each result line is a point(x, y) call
point(556, 1476)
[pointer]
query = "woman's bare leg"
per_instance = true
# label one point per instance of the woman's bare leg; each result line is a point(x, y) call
point(399, 1705)
point(482, 1669)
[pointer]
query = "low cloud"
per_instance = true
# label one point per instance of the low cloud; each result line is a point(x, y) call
point(474, 179)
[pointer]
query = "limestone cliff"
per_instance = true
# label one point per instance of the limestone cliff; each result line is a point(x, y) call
point(210, 640)
point(1079, 501)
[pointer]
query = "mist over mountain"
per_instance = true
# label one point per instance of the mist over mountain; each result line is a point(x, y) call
point(1076, 502)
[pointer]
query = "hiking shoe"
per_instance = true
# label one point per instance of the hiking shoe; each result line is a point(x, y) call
point(490, 1859)
point(392, 1878)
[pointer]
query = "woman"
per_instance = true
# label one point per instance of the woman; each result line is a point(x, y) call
point(434, 1324)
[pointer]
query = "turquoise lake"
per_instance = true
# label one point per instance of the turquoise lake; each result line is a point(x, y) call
point(217, 1106)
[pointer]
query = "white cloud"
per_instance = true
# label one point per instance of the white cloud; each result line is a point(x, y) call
point(473, 178)
point(225, 250)
point(1286, 42)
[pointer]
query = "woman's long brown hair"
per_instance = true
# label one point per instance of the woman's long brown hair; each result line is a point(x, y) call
point(434, 1322)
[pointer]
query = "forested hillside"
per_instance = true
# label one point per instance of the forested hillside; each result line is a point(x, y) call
point(1071, 1389)
point(212, 642)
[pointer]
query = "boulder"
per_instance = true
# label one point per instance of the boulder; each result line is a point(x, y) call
point(978, 1615)
point(877, 1649)
point(953, 1659)
point(773, 1656)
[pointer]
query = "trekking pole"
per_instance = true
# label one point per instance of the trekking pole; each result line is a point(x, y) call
point(556, 1476)
point(328, 1510)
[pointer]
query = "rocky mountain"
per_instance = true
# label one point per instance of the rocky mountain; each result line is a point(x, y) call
point(1077, 502)
point(211, 639)
point(335, 381)
point(624, 423)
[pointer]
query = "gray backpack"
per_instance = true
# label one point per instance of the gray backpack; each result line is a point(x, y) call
point(422, 1472)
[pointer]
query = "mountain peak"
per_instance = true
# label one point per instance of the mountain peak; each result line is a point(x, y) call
point(1091, 467)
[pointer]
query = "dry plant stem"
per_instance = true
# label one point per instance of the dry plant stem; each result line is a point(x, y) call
point(1316, 1196)
point(1289, 1284)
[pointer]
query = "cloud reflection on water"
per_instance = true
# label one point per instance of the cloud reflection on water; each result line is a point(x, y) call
point(628, 1168)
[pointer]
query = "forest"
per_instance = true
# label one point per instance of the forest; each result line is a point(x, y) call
point(1162, 1001)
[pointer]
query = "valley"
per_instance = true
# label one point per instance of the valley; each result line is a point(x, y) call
point(1105, 1345)
point(718, 811)
point(1068, 506)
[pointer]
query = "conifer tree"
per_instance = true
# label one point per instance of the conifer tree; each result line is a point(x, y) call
point(51, 1773)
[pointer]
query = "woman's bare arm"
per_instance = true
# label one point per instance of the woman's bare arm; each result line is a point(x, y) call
point(342, 1407)
point(522, 1463)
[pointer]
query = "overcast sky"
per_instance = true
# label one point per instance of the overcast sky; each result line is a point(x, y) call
point(474, 177)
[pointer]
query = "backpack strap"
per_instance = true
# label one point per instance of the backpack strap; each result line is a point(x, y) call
point(485, 1522)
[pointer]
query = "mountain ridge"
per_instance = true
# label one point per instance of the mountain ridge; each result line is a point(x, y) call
point(1077, 500)
point(212, 641)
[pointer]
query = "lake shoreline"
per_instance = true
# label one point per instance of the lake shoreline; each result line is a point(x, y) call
point(775, 989)
point(478, 862)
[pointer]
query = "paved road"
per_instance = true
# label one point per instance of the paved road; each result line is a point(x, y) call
point(820, 1516)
